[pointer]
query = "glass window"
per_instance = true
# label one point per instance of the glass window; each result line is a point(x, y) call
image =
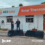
point(9, 18)
point(30, 18)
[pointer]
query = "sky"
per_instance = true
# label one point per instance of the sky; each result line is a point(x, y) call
point(10, 3)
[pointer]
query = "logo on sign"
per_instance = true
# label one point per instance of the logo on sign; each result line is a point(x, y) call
point(26, 10)
point(9, 11)
point(4, 41)
point(40, 9)
point(0, 11)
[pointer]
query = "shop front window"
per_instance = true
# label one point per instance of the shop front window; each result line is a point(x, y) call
point(30, 18)
point(9, 18)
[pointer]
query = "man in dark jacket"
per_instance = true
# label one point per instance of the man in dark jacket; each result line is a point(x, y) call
point(12, 24)
point(18, 24)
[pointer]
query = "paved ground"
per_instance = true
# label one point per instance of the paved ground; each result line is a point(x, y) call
point(21, 40)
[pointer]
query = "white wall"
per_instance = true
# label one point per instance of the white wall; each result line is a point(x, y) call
point(8, 25)
point(23, 22)
point(40, 22)
point(38, 25)
point(5, 25)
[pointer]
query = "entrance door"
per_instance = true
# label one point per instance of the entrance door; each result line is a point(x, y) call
point(43, 22)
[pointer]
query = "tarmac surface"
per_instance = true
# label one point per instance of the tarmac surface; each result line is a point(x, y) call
point(21, 40)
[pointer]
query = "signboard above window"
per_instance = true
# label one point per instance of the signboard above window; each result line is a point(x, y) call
point(9, 12)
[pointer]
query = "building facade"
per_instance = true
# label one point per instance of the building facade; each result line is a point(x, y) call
point(29, 16)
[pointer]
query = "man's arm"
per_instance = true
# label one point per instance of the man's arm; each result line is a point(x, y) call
point(13, 23)
point(19, 22)
point(16, 22)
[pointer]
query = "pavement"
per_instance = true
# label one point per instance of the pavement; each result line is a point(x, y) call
point(20, 40)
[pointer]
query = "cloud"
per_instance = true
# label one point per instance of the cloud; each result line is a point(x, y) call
point(9, 3)
point(4, 4)
point(32, 0)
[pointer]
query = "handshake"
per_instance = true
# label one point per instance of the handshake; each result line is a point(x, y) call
point(13, 23)
point(18, 24)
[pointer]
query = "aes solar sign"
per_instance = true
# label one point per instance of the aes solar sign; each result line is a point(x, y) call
point(13, 11)
point(0, 11)
point(9, 12)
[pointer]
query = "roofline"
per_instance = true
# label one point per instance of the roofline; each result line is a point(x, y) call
point(32, 5)
point(21, 6)
point(9, 7)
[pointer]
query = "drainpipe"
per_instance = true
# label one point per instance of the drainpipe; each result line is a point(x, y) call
point(37, 22)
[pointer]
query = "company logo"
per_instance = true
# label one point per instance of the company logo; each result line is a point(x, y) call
point(4, 41)
point(0, 11)
point(9, 11)
point(26, 10)
point(37, 40)
point(40, 9)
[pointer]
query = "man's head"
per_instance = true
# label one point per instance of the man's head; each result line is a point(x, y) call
point(12, 20)
point(17, 19)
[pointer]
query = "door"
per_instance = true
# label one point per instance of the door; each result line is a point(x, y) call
point(43, 22)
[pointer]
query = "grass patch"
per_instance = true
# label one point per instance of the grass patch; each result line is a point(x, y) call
point(0, 29)
point(3, 29)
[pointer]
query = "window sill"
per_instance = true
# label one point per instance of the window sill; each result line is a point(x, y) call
point(30, 23)
point(8, 23)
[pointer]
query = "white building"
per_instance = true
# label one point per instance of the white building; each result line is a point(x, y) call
point(29, 19)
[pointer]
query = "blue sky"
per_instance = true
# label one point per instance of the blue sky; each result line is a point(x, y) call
point(9, 3)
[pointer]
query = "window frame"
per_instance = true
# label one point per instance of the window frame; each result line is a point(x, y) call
point(29, 17)
point(6, 19)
